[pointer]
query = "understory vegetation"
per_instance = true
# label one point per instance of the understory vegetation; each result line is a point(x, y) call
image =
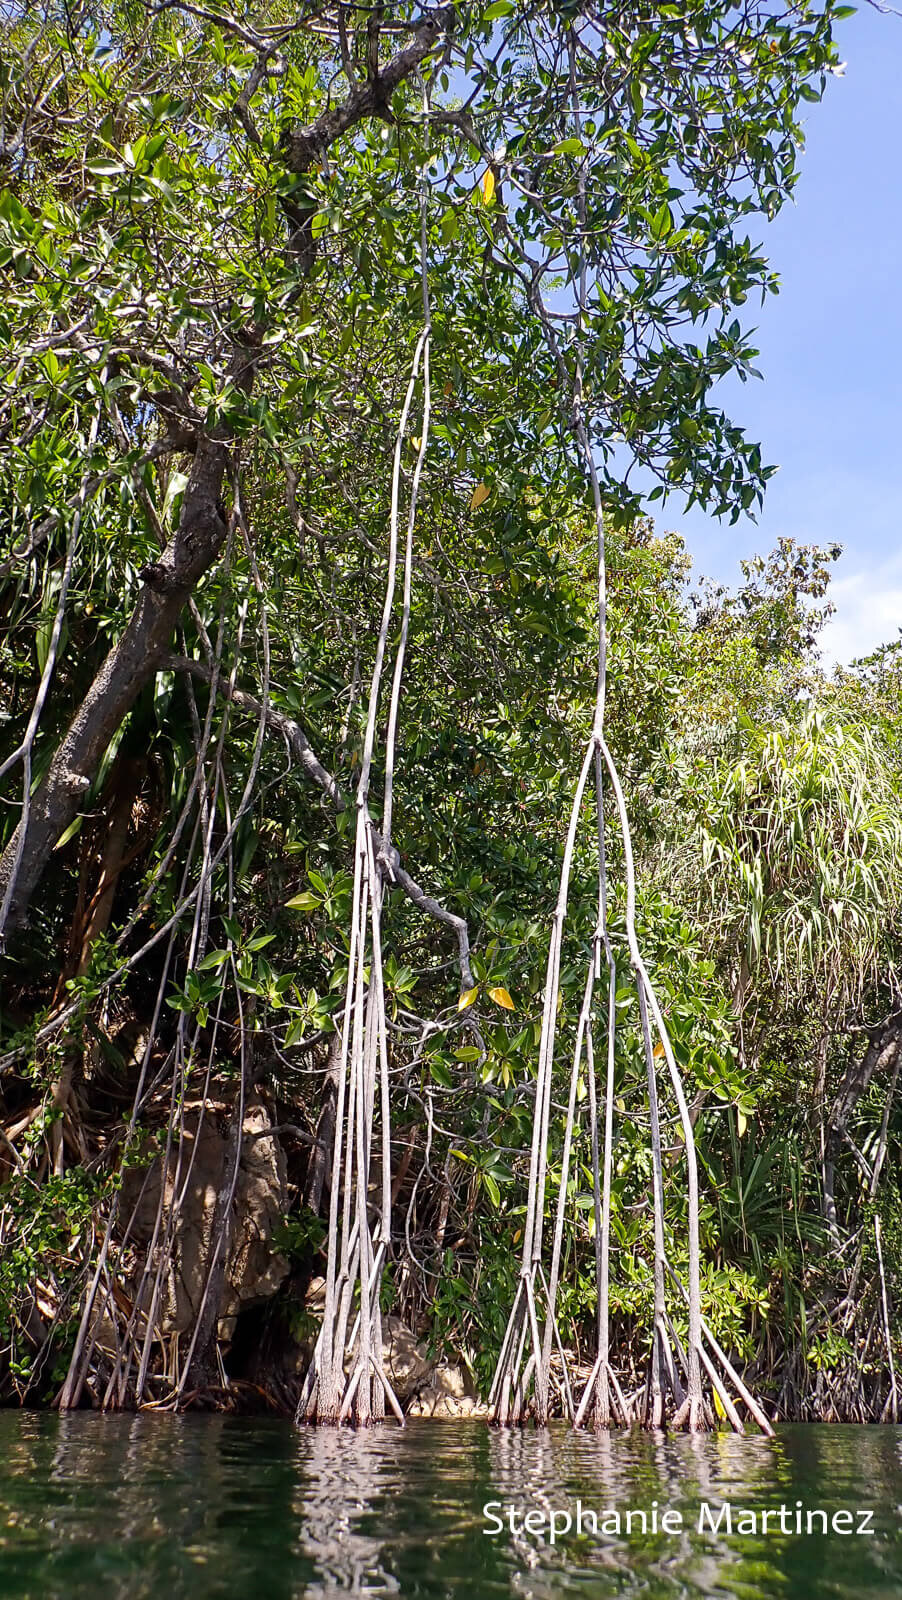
point(224, 238)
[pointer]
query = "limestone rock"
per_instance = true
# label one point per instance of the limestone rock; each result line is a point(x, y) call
point(315, 1297)
point(406, 1361)
point(449, 1393)
point(196, 1172)
point(452, 1382)
point(254, 1272)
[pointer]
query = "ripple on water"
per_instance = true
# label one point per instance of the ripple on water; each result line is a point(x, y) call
point(163, 1506)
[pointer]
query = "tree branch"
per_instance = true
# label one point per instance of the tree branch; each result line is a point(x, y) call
point(388, 859)
point(304, 146)
point(196, 544)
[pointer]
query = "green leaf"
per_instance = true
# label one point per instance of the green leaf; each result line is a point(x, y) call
point(69, 833)
point(305, 901)
point(215, 959)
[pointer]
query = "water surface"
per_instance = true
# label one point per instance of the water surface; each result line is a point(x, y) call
point(197, 1506)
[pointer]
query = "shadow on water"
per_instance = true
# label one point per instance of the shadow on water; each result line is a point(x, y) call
point(216, 1506)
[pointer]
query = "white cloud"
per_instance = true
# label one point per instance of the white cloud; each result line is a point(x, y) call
point(868, 611)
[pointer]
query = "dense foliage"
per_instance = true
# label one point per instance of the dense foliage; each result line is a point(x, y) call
point(220, 235)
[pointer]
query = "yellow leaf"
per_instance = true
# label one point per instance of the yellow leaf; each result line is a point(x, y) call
point(479, 496)
point(658, 1051)
point(502, 998)
point(466, 999)
point(742, 1123)
point(488, 186)
point(719, 1406)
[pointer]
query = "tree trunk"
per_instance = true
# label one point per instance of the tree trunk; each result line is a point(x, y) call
point(320, 1163)
point(129, 666)
point(881, 1056)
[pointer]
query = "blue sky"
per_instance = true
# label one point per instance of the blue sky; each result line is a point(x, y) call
point(829, 410)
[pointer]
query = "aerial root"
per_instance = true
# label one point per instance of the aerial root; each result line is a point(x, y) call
point(603, 1402)
point(525, 1372)
point(672, 1397)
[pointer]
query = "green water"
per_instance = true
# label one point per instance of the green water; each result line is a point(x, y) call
point(212, 1506)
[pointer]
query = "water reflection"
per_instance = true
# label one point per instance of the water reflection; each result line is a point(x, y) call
point(339, 1483)
point(160, 1506)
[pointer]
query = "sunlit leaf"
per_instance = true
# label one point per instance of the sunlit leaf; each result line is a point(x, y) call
point(502, 998)
point(68, 833)
point(302, 902)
